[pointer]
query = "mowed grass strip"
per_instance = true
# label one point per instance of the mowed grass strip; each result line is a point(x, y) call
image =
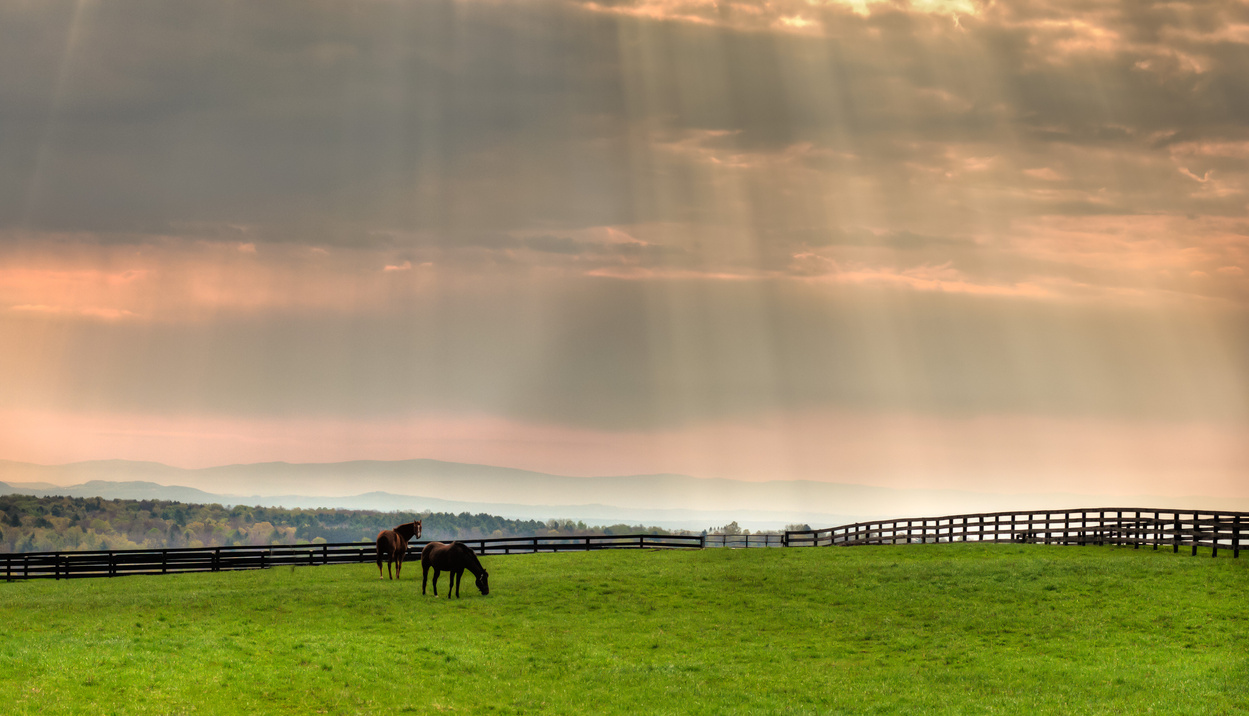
point(955, 628)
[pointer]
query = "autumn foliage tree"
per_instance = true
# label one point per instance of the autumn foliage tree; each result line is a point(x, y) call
point(47, 524)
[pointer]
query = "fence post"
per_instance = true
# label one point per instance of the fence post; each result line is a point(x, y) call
point(702, 541)
point(164, 561)
point(325, 554)
point(1236, 537)
point(1175, 535)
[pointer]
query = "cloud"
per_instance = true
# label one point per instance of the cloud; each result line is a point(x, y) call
point(553, 117)
point(798, 16)
point(626, 214)
point(82, 311)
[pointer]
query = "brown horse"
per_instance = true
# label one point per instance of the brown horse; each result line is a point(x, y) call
point(454, 558)
point(393, 544)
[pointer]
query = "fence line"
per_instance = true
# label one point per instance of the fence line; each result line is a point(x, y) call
point(1125, 526)
point(111, 563)
point(1135, 527)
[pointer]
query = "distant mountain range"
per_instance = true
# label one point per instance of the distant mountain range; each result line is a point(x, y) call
point(674, 501)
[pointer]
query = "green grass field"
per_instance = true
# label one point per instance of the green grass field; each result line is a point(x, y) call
point(957, 628)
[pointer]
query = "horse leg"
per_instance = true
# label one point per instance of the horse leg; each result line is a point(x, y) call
point(379, 565)
point(398, 566)
point(436, 573)
point(459, 576)
point(424, 576)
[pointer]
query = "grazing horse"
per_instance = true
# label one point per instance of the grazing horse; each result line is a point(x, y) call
point(453, 558)
point(393, 544)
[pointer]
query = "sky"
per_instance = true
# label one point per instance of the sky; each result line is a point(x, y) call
point(964, 244)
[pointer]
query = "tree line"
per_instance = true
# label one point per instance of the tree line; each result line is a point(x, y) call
point(51, 524)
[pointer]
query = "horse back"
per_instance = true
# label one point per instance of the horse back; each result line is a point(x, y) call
point(456, 555)
point(433, 555)
point(388, 542)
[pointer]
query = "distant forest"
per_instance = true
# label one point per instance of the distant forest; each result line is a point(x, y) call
point(48, 524)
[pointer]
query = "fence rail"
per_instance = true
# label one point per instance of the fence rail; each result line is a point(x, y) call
point(744, 541)
point(1214, 530)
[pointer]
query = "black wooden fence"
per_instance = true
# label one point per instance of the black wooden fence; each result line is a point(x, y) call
point(65, 565)
point(1214, 530)
point(1124, 526)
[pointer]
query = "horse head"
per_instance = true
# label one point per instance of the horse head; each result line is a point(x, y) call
point(409, 530)
point(483, 582)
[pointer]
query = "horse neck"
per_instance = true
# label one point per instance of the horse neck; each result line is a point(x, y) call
point(405, 532)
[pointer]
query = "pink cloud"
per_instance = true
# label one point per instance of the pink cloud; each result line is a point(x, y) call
point(187, 280)
point(942, 278)
point(1044, 174)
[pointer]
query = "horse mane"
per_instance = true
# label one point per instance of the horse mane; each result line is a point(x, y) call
point(473, 564)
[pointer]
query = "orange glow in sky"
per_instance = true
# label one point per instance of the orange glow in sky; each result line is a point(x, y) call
point(953, 244)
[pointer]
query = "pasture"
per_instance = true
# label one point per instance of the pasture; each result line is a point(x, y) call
point(939, 628)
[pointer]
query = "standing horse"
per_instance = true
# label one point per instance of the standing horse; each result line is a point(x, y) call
point(454, 558)
point(393, 544)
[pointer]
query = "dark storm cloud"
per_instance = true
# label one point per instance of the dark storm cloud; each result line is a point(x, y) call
point(138, 114)
point(326, 123)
